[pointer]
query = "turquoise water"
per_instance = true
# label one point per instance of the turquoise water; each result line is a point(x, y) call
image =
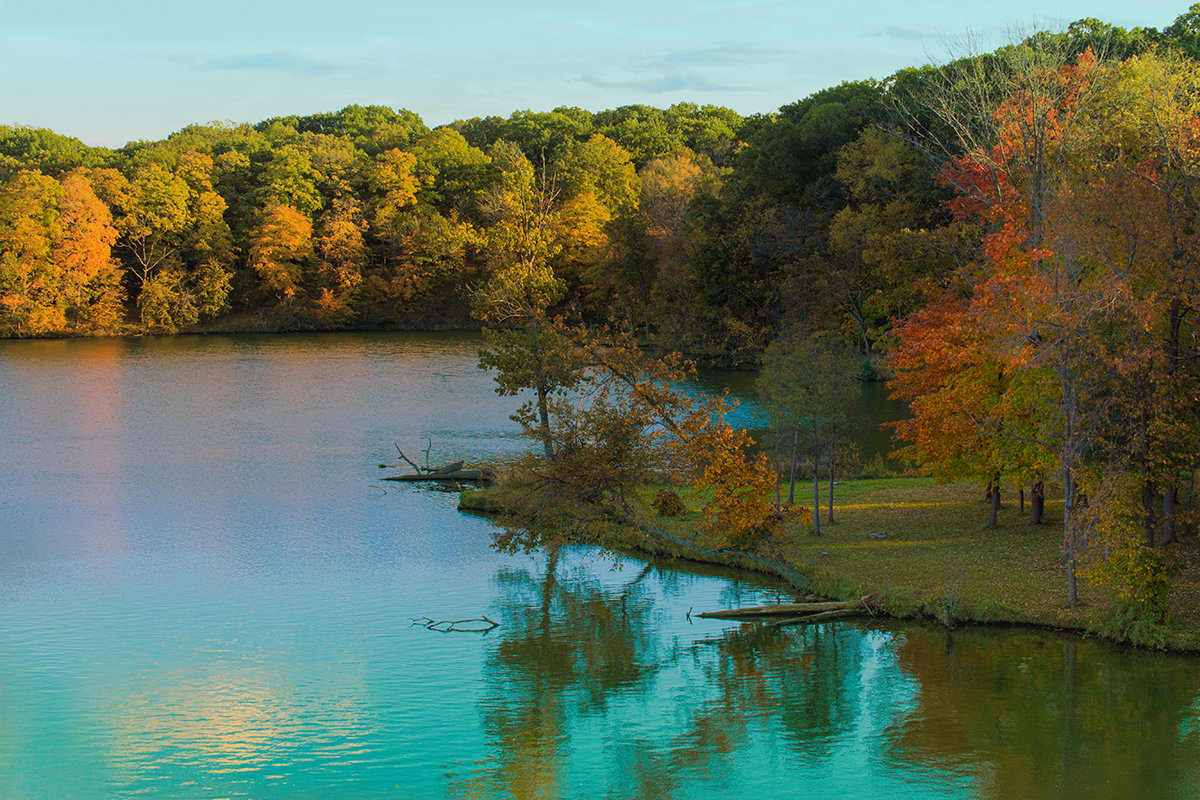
point(206, 591)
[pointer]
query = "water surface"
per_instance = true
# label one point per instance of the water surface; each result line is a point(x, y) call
point(206, 591)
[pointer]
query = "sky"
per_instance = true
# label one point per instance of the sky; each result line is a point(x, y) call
point(112, 71)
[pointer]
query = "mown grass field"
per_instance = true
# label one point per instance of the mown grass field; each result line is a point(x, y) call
point(932, 556)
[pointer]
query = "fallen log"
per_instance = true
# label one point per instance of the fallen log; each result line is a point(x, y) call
point(791, 609)
point(824, 616)
point(468, 475)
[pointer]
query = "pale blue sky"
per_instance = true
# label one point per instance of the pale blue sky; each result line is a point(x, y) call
point(108, 71)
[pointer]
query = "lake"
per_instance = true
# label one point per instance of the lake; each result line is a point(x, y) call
point(207, 591)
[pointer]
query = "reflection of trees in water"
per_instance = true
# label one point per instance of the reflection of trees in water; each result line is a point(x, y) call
point(576, 657)
point(568, 646)
point(804, 681)
point(1037, 715)
point(585, 693)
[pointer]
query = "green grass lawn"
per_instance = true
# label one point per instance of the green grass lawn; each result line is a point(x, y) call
point(932, 556)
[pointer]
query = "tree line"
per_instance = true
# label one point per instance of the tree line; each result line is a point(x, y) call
point(363, 218)
point(714, 232)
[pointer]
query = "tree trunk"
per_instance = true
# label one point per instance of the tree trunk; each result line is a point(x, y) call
point(1021, 494)
point(1037, 503)
point(994, 507)
point(816, 496)
point(829, 516)
point(1143, 461)
point(544, 422)
point(792, 474)
point(1169, 496)
point(1149, 496)
point(778, 477)
point(1069, 534)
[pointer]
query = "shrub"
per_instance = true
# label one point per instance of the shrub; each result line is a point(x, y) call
point(1132, 622)
point(877, 467)
point(668, 503)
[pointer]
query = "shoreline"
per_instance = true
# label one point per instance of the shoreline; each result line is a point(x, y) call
point(976, 577)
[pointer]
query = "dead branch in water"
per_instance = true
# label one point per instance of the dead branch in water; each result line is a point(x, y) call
point(784, 609)
point(450, 625)
point(409, 460)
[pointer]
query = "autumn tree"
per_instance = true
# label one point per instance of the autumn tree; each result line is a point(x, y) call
point(971, 414)
point(758, 234)
point(281, 253)
point(29, 278)
point(598, 196)
point(289, 179)
point(91, 293)
point(1142, 180)
point(342, 258)
point(451, 174)
point(206, 250)
point(1079, 174)
point(372, 129)
point(887, 240)
point(52, 154)
point(621, 419)
point(525, 340)
point(648, 273)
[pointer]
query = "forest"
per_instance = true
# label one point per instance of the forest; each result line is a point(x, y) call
point(1010, 239)
point(716, 233)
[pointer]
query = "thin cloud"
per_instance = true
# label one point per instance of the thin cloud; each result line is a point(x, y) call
point(659, 85)
point(902, 34)
point(271, 62)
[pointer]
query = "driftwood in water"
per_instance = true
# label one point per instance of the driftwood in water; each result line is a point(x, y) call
point(783, 609)
point(798, 613)
point(470, 475)
point(426, 470)
point(447, 472)
point(453, 467)
point(824, 616)
point(451, 625)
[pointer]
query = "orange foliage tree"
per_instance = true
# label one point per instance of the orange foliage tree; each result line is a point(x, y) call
point(623, 421)
point(281, 252)
point(57, 272)
point(92, 296)
point(28, 278)
point(1086, 191)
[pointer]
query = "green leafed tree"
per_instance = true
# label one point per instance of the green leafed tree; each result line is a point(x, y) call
point(809, 384)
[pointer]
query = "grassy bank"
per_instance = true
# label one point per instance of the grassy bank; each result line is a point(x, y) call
point(922, 547)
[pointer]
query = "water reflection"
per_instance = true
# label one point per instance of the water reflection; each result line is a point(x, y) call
point(1038, 715)
point(873, 409)
point(568, 646)
point(593, 684)
point(590, 684)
